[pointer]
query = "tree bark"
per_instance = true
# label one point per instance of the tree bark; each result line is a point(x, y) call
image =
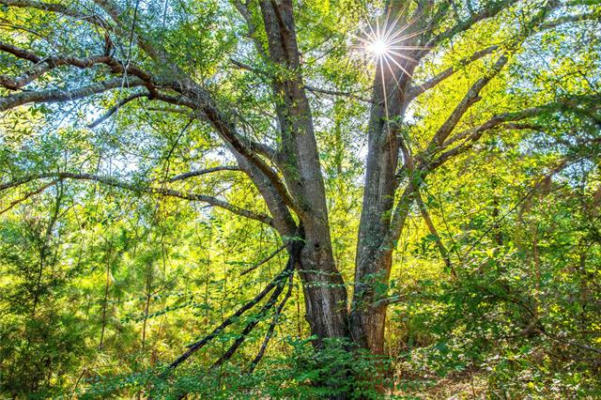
point(374, 256)
point(323, 286)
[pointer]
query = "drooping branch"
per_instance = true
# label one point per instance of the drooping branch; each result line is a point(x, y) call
point(145, 187)
point(271, 328)
point(254, 321)
point(194, 347)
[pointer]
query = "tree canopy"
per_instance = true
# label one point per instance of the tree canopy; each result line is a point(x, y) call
point(300, 199)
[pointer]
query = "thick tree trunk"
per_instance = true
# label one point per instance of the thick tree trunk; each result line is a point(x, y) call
point(368, 316)
point(374, 256)
point(379, 226)
point(325, 294)
point(323, 286)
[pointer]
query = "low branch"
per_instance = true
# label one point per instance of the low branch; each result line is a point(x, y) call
point(110, 181)
point(254, 321)
point(194, 347)
point(271, 328)
point(203, 172)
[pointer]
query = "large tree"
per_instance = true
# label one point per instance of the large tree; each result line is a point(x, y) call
point(430, 79)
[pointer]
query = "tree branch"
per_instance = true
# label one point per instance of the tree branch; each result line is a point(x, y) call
point(254, 321)
point(472, 96)
point(110, 181)
point(55, 8)
point(337, 93)
point(418, 89)
point(470, 136)
point(266, 259)
point(116, 108)
point(203, 172)
point(61, 95)
point(28, 195)
point(194, 347)
point(271, 328)
point(441, 248)
point(566, 19)
point(489, 11)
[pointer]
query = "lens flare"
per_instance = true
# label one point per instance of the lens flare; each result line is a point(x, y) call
point(378, 47)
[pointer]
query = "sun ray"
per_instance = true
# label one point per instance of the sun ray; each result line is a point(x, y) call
point(400, 55)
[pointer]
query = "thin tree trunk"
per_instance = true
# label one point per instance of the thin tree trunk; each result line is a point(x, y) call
point(106, 294)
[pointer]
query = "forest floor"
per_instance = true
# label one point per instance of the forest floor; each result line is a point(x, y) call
point(467, 385)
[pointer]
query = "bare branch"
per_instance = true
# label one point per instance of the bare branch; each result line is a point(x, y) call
point(271, 328)
point(194, 347)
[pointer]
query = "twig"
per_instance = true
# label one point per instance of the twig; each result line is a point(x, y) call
point(116, 108)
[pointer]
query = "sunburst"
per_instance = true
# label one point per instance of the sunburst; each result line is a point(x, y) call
point(387, 47)
point(386, 44)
